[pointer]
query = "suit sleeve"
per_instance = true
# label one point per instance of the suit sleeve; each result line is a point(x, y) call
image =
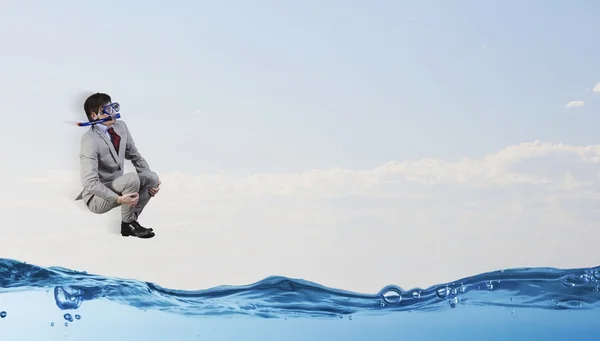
point(88, 160)
point(133, 154)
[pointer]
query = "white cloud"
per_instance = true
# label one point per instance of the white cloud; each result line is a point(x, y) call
point(412, 223)
point(389, 179)
point(575, 104)
point(597, 87)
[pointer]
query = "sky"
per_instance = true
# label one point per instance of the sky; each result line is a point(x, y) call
point(353, 144)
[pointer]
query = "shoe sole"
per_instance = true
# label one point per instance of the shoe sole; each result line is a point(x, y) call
point(146, 235)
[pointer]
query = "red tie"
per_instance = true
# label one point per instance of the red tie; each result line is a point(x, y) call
point(116, 139)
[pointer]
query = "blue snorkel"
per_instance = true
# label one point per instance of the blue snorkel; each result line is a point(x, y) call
point(106, 119)
point(111, 109)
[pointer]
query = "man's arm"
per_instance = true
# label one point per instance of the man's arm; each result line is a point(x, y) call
point(133, 154)
point(88, 160)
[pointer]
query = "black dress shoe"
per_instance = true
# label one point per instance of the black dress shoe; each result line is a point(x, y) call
point(140, 227)
point(136, 230)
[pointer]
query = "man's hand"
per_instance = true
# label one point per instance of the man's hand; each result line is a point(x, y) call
point(129, 199)
point(154, 191)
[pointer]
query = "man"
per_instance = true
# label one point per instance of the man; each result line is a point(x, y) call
point(104, 149)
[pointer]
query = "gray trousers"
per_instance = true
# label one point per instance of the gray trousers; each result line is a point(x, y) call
point(127, 183)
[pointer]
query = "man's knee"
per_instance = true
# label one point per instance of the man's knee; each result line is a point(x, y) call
point(150, 178)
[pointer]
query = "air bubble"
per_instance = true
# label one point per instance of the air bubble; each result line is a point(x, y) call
point(416, 294)
point(67, 298)
point(392, 295)
point(3, 314)
point(442, 292)
point(68, 317)
point(453, 302)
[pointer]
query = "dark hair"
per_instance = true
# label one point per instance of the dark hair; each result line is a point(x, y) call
point(94, 102)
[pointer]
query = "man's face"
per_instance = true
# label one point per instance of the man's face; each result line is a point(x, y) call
point(101, 114)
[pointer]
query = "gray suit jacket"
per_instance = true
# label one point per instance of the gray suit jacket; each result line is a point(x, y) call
point(101, 163)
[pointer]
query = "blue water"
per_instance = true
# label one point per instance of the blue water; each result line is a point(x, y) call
point(38, 303)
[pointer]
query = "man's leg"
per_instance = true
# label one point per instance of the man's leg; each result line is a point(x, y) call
point(141, 183)
point(148, 179)
point(127, 183)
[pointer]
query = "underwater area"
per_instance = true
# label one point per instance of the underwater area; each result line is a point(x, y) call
point(54, 303)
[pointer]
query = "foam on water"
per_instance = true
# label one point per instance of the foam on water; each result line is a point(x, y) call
point(538, 289)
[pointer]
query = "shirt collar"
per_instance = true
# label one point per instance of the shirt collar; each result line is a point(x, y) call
point(102, 127)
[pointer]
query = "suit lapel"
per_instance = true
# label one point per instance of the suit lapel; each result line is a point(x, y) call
point(108, 142)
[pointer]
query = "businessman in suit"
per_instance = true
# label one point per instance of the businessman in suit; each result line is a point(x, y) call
point(104, 149)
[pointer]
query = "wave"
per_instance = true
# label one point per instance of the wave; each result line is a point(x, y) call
point(282, 297)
